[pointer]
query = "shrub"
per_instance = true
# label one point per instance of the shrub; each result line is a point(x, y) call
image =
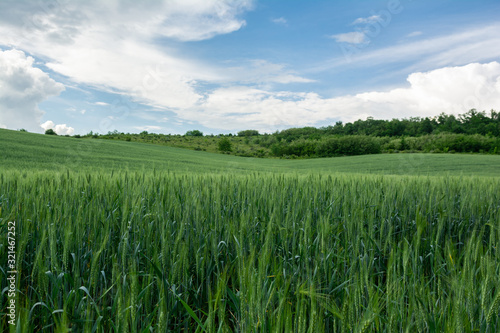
point(349, 145)
point(50, 131)
point(194, 133)
point(268, 141)
point(225, 145)
point(248, 133)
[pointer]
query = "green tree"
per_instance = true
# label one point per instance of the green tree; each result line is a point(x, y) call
point(225, 145)
point(403, 145)
point(194, 133)
point(426, 126)
point(50, 131)
point(248, 133)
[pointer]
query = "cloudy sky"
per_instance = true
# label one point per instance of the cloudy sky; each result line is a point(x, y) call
point(222, 66)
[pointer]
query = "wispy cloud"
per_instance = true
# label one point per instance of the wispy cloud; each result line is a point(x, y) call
point(259, 71)
point(148, 128)
point(366, 20)
point(355, 37)
point(201, 19)
point(477, 44)
point(100, 51)
point(280, 20)
point(125, 59)
point(358, 37)
point(415, 34)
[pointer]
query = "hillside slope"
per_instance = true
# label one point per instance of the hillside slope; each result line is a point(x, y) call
point(20, 150)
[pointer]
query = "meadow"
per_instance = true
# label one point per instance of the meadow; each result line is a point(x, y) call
point(130, 237)
point(471, 132)
point(34, 152)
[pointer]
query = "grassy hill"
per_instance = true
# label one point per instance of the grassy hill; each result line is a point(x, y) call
point(472, 132)
point(21, 150)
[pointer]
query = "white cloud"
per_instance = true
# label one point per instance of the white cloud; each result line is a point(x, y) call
point(191, 20)
point(262, 72)
point(131, 67)
point(60, 22)
point(49, 124)
point(22, 88)
point(355, 37)
point(360, 35)
point(280, 20)
point(63, 129)
point(60, 129)
point(478, 44)
point(110, 45)
point(245, 107)
point(101, 103)
point(450, 90)
point(414, 34)
point(148, 128)
point(367, 20)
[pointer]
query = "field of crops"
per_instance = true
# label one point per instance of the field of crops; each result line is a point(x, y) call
point(28, 151)
point(123, 248)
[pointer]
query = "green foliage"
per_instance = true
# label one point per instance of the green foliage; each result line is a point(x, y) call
point(472, 122)
point(403, 145)
point(248, 133)
point(194, 133)
point(348, 145)
point(225, 145)
point(329, 147)
point(50, 131)
point(57, 153)
point(460, 143)
point(409, 135)
point(293, 134)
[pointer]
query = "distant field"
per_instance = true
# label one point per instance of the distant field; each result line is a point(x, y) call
point(43, 152)
point(128, 237)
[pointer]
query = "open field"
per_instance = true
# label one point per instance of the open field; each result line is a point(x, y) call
point(471, 132)
point(121, 236)
point(45, 152)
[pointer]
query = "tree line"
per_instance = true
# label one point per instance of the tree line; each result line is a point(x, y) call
point(473, 131)
point(471, 122)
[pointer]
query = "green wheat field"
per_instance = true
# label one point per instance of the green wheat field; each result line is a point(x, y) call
point(131, 237)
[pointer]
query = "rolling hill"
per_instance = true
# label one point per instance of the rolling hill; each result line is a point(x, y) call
point(22, 150)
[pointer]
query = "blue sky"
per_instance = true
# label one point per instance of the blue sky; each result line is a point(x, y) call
point(224, 66)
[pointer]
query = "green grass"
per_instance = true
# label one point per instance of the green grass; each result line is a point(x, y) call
point(138, 238)
point(44, 152)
